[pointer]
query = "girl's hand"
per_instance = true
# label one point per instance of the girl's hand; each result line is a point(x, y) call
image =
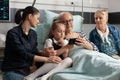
point(61, 42)
point(54, 59)
point(48, 52)
point(69, 46)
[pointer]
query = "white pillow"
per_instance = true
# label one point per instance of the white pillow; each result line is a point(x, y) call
point(42, 34)
point(43, 29)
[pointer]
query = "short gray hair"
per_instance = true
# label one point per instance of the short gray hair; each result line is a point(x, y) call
point(102, 11)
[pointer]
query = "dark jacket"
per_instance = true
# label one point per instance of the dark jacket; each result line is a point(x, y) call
point(19, 50)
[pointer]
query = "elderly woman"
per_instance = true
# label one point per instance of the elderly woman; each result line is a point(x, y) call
point(105, 36)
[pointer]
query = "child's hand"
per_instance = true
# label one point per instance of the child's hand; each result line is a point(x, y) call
point(61, 42)
point(69, 46)
point(50, 51)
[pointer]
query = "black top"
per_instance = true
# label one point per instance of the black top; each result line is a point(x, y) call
point(19, 50)
point(56, 47)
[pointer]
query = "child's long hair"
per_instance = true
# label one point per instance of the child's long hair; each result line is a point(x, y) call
point(54, 25)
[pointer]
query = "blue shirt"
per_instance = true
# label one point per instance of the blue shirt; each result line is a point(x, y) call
point(108, 48)
point(19, 50)
point(114, 35)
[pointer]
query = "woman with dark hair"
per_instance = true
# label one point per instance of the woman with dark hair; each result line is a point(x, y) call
point(21, 46)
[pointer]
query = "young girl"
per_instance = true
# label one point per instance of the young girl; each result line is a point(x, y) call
point(57, 40)
point(56, 45)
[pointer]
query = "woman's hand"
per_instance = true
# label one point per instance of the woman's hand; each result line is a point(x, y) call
point(54, 59)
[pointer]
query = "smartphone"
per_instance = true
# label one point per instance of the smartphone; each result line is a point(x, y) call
point(72, 41)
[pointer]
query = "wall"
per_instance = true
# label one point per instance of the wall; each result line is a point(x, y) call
point(89, 6)
point(114, 5)
point(114, 11)
point(88, 27)
point(59, 5)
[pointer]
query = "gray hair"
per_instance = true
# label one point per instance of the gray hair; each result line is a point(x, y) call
point(102, 11)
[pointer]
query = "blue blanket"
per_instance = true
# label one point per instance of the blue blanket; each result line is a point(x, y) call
point(89, 65)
